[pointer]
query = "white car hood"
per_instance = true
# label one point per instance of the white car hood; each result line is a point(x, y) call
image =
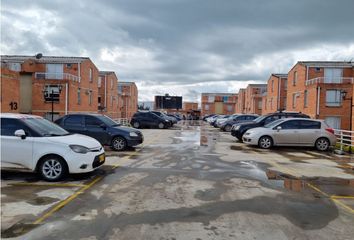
point(76, 139)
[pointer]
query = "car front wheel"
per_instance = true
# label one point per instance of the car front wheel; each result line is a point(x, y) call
point(265, 142)
point(136, 124)
point(228, 128)
point(322, 144)
point(119, 144)
point(161, 125)
point(52, 168)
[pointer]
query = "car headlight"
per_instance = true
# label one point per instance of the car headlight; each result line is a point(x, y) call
point(166, 120)
point(79, 149)
point(237, 127)
point(133, 134)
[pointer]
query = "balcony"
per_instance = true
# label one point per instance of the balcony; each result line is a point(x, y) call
point(338, 80)
point(56, 76)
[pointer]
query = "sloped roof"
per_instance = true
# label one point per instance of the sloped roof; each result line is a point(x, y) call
point(327, 63)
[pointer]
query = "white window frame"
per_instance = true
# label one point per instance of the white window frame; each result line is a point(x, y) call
point(333, 98)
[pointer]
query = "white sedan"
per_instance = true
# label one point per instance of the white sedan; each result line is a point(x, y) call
point(292, 132)
point(32, 143)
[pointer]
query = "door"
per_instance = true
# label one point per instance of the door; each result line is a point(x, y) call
point(15, 152)
point(219, 108)
point(97, 129)
point(25, 93)
point(309, 131)
point(54, 71)
point(333, 75)
point(288, 134)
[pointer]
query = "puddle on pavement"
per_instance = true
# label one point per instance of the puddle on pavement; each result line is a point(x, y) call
point(331, 186)
point(17, 230)
point(42, 200)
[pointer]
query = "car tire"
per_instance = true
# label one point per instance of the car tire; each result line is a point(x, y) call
point(136, 124)
point(119, 144)
point(227, 128)
point(161, 125)
point(265, 142)
point(322, 144)
point(52, 168)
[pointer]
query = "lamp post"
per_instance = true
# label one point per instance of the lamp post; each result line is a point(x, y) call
point(51, 92)
point(344, 94)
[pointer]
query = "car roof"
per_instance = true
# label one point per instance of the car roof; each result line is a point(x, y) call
point(305, 119)
point(18, 115)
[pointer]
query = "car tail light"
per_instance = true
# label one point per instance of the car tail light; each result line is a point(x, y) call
point(331, 130)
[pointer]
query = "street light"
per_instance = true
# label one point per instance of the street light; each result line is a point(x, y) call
point(49, 94)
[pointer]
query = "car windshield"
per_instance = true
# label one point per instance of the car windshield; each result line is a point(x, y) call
point(45, 128)
point(260, 118)
point(273, 124)
point(108, 121)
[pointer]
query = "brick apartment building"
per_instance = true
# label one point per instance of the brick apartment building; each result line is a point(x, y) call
point(322, 90)
point(127, 99)
point(66, 84)
point(10, 94)
point(108, 94)
point(253, 98)
point(275, 98)
point(189, 106)
point(218, 103)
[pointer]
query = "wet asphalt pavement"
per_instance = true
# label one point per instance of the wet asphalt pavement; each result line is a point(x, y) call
point(194, 182)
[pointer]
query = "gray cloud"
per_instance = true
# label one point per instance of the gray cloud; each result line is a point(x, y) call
point(215, 45)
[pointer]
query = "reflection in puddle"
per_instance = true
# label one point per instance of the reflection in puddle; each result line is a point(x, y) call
point(331, 186)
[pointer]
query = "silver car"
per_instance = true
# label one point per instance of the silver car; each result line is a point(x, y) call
point(292, 132)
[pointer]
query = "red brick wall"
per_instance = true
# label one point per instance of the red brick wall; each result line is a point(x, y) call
point(128, 101)
point(275, 99)
point(252, 96)
point(10, 91)
point(109, 81)
point(228, 107)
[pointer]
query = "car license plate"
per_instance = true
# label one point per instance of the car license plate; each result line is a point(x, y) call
point(101, 158)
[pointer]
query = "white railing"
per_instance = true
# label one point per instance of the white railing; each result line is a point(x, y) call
point(59, 76)
point(337, 80)
point(345, 138)
point(123, 121)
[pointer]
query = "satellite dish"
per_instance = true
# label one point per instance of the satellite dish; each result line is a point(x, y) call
point(39, 55)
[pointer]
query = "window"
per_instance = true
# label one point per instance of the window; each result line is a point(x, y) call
point(112, 101)
point(74, 120)
point(120, 89)
point(92, 121)
point(295, 78)
point(206, 107)
point(310, 124)
point(9, 126)
point(111, 83)
point(229, 108)
point(271, 103)
point(211, 99)
point(90, 74)
point(294, 100)
point(333, 98)
point(317, 69)
point(270, 119)
point(293, 124)
point(15, 67)
point(285, 84)
point(259, 104)
point(79, 96)
point(305, 98)
point(90, 97)
point(54, 71)
point(333, 122)
point(333, 75)
point(99, 81)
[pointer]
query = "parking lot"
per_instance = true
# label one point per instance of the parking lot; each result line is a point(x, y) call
point(188, 182)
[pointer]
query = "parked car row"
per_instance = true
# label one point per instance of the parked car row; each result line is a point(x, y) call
point(152, 119)
point(73, 145)
point(277, 129)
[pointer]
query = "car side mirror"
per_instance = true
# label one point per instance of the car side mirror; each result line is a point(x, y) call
point(278, 128)
point(20, 133)
point(102, 125)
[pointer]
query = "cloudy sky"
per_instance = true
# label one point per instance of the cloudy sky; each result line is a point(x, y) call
point(183, 47)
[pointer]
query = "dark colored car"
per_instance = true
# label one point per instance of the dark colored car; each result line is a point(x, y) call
point(239, 129)
point(227, 125)
point(149, 119)
point(103, 129)
point(171, 119)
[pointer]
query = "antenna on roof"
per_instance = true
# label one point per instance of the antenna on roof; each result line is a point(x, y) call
point(39, 55)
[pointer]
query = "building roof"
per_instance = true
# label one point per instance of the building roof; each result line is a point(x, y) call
point(43, 59)
point(327, 63)
point(220, 94)
point(280, 75)
point(106, 72)
point(126, 83)
point(257, 85)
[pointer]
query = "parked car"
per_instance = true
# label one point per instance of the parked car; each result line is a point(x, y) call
point(220, 121)
point(239, 129)
point(234, 119)
point(171, 119)
point(103, 129)
point(292, 132)
point(213, 122)
point(149, 119)
point(34, 144)
point(178, 118)
point(207, 116)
